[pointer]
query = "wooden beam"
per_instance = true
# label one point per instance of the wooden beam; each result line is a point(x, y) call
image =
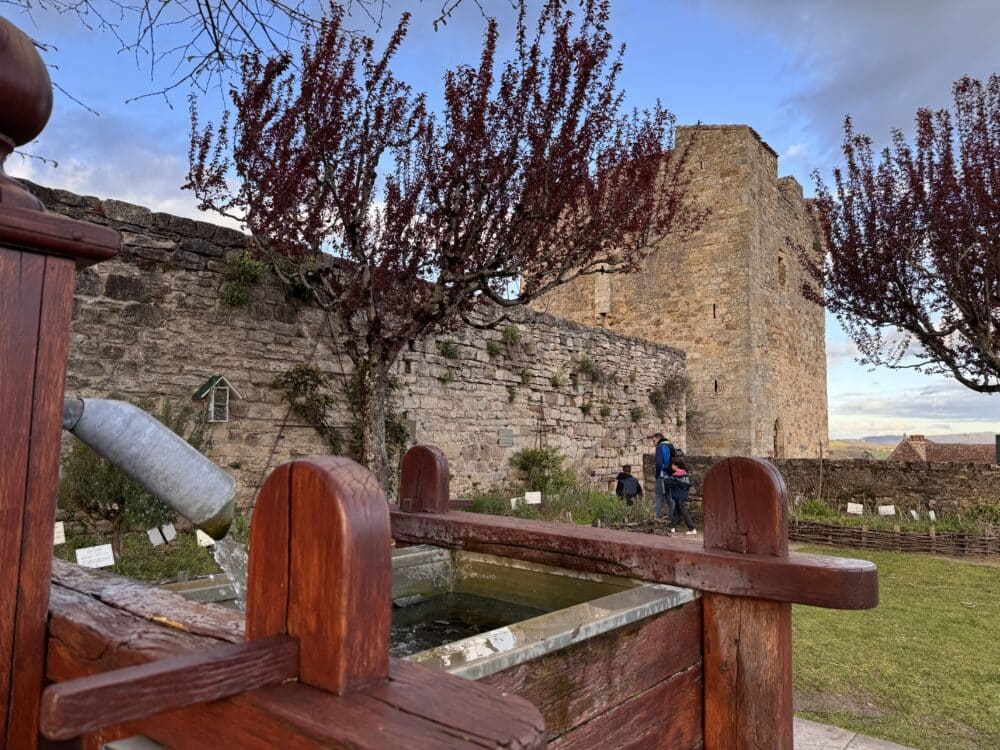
point(89, 703)
point(747, 642)
point(834, 582)
point(424, 481)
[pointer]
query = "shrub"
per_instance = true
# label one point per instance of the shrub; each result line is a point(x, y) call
point(543, 470)
point(556, 381)
point(511, 394)
point(586, 408)
point(245, 269)
point(605, 411)
point(510, 335)
point(447, 349)
point(446, 377)
point(525, 377)
point(587, 366)
point(494, 348)
point(636, 413)
point(234, 294)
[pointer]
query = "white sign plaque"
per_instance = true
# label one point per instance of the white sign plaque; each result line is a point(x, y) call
point(931, 515)
point(533, 498)
point(887, 510)
point(155, 537)
point(169, 532)
point(515, 501)
point(100, 556)
point(59, 533)
point(204, 540)
point(856, 509)
point(914, 515)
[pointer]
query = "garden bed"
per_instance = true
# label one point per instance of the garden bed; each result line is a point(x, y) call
point(958, 544)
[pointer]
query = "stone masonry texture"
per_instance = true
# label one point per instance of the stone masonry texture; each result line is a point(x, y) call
point(729, 297)
point(150, 325)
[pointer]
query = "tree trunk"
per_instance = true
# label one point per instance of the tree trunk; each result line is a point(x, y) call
point(374, 387)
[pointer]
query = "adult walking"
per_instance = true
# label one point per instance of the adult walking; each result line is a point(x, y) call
point(663, 451)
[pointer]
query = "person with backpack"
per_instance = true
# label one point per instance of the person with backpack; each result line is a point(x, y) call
point(663, 453)
point(628, 487)
point(678, 485)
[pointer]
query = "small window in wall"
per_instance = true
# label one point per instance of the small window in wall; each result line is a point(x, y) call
point(779, 440)
point(713, 310)
point(782, 270)
point(716, 386)
point(216, 392)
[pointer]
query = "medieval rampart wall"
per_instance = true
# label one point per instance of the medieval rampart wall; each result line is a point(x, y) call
point(150, 325)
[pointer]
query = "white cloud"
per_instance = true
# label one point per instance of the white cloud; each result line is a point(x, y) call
point(795, 150)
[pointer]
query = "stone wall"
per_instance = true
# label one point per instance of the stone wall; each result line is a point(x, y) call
point(150, 325)
point(948, 487)
point(728, 296)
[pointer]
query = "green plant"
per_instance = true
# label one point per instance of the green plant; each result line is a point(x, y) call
point(304, 388)
point(669, 392)
point(543, 469)
point(511, 394)
point(182, 559)
point(605, 411)
point(446, 377)
point(636, 413)
point(234, 294)
point(494, 348)
point(556, 381)
point(397, 434)
point(245, 269)
point(586, 407)
point(525, 377)
point(585, 365)
point(448, 349)
point(510, 335)
point(101, 492)
point(679, 421)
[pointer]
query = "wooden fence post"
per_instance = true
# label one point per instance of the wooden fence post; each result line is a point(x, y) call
point(747, 642)
point(38, 256)
point(425, 482)
point(320, 570)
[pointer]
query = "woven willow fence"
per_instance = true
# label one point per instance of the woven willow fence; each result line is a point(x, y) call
point(942, 543)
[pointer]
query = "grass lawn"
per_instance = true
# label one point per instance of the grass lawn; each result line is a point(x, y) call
point(922, 669)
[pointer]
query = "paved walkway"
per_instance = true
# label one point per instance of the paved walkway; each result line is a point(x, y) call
point(812, 736)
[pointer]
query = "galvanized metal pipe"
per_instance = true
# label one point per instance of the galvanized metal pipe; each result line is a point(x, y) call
point(158, 459)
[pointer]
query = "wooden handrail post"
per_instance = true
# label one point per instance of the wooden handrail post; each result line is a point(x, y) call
point(320, 570)
point(38, 257)
point(425, 482)
point(747, 642)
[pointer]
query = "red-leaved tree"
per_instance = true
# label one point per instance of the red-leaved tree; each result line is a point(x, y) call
point(529, 177)
point(913, 264)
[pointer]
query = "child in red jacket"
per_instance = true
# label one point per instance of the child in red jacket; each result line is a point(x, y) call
point(678, 485)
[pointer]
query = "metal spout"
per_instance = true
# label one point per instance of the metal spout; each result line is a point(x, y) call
point(159, 460)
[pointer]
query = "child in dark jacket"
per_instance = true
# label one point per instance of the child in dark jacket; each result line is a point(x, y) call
point(628, 487)
point(679, 486)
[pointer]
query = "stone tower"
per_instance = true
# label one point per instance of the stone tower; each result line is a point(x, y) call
point(729, 296)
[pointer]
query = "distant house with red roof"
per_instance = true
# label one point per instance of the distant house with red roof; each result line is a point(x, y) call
point(919, 448)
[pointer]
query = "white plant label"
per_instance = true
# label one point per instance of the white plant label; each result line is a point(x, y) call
point(204, 540)
point(59, 533)
point(533, 498)
point(169, 532)
point(887, 510)
point(515, 501)
point(100, 556)
point(155, 537)
point(856, 509)
point(914, 515)
point(931, 515)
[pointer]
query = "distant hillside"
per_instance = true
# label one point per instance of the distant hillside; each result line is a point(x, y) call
point(963, 437)
point(860, 449)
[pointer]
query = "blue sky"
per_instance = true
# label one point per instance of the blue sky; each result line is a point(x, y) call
point(791, 69)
